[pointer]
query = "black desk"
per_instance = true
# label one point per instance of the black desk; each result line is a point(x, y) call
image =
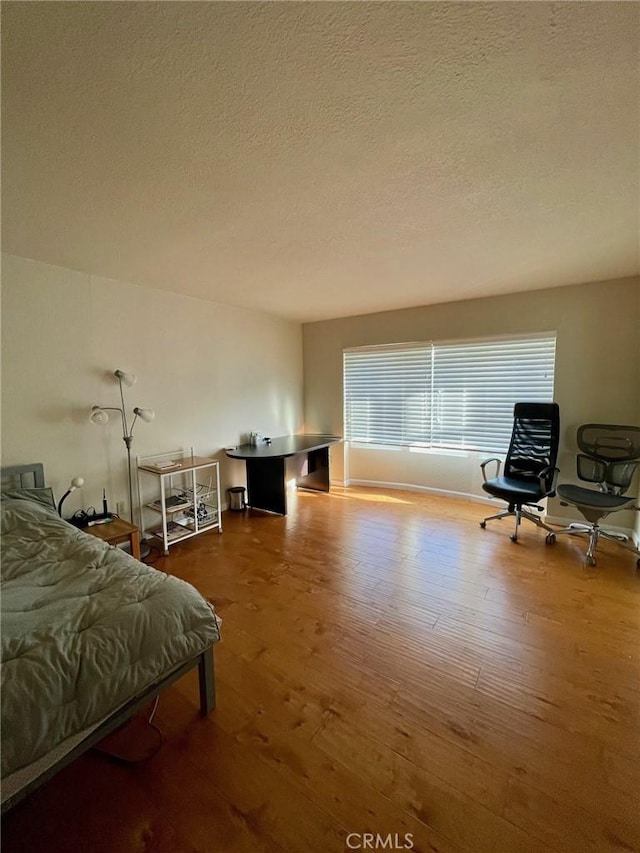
point(269, 466)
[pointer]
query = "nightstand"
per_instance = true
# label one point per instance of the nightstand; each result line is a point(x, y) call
point(117, 531)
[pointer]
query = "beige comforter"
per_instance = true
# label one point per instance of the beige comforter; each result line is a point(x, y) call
point(85, 627)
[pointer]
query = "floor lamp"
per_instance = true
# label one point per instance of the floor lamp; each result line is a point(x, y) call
point(100, 415)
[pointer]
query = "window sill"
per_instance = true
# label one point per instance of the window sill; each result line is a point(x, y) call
point(411, 448)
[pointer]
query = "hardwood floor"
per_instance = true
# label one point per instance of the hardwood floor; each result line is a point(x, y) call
point(386, 667)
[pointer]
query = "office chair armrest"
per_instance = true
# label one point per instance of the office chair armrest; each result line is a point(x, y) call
point(486, 462)
point(543, 479)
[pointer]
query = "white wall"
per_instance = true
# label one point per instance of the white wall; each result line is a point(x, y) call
point(597, 371)
point(210, 371)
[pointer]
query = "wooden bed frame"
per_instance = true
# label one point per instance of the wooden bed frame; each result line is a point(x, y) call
point(32, 476)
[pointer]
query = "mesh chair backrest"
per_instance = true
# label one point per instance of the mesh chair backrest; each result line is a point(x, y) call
point(609, 442)
point(610, 454)
point(534, 441)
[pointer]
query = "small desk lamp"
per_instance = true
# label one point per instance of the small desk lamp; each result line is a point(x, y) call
point(76, 483)
point(100, 415)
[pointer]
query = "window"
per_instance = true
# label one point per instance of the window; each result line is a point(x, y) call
point(456, 394)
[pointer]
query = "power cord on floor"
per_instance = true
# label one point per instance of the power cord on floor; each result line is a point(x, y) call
point(154, 726)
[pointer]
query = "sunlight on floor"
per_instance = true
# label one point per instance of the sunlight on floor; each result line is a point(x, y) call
point(367, 496)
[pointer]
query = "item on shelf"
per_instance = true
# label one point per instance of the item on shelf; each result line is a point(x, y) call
point(174, 502)
point(174, 531)
point(206, 514)
point(164, 465)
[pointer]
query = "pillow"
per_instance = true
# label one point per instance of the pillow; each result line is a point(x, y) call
point(42, 496)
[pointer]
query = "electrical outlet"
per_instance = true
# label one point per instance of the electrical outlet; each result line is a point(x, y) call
point(121, 508)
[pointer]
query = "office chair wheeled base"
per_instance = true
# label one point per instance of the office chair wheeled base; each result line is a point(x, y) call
point(518, 513)
point(580, 527)
point(595, 533)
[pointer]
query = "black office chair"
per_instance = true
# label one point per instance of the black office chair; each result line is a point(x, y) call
point(610, 456)
point(529, 469)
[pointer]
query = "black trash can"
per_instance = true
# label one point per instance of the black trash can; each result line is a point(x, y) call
point(236, 498)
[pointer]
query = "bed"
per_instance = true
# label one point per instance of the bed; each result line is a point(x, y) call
point(89, 636)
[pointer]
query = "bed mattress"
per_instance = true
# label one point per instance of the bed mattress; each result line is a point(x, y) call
point(85, 627)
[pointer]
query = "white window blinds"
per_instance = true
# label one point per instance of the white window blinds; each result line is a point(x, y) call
point(451, 395)
point(387, 394)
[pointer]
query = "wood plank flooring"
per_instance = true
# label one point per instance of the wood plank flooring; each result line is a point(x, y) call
point(386, 667)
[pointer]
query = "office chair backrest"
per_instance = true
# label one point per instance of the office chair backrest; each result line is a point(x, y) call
point(534, 441)
point(609, 454)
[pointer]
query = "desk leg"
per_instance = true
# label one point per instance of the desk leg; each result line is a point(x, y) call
point(316, 476)
point(266, 487)
point(134, 539)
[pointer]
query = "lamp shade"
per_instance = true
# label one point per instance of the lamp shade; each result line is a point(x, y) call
point(77, 482)
point(144, 414)
point(98, 415)
point(128, 379)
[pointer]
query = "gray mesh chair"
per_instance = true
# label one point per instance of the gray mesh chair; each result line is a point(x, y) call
point(529, 468)
point(610, 456)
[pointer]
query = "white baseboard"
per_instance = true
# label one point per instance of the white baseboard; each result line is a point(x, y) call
point(412, 487)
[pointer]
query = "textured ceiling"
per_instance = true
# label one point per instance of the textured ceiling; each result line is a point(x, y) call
point(317, 160)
